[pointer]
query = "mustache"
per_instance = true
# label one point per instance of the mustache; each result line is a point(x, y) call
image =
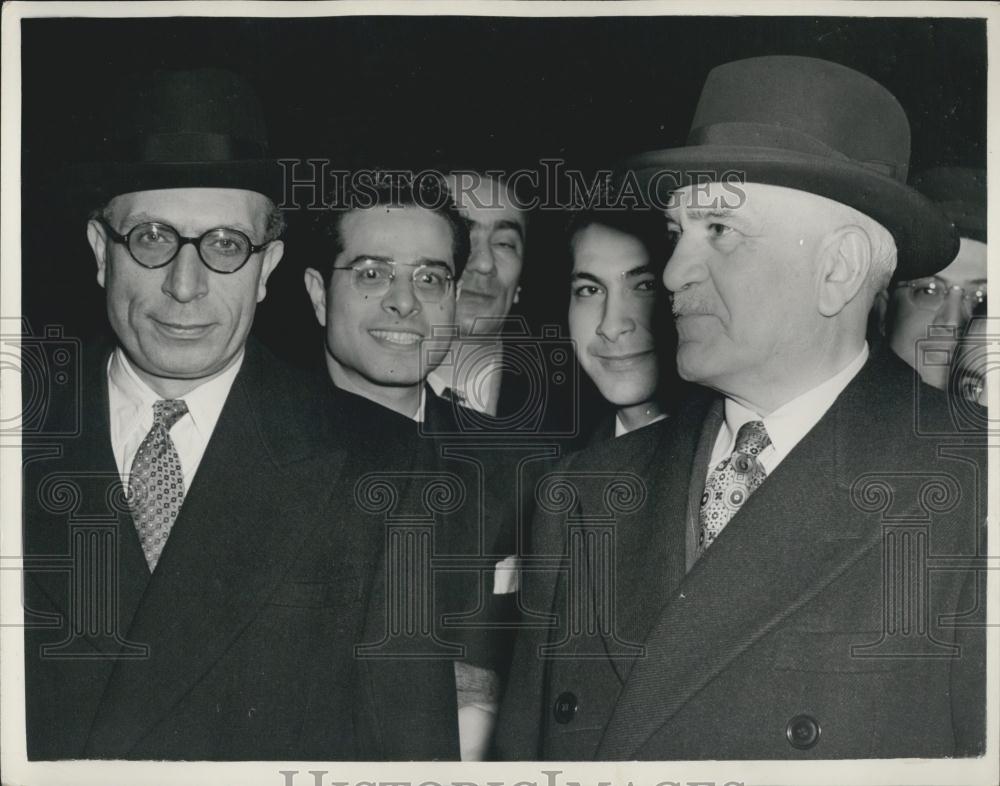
point(683, 305)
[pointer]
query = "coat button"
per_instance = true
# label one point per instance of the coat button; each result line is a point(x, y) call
point(802, 732)
point(565, 707)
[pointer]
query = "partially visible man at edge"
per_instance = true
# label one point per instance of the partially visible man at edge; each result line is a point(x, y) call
point(924, 318)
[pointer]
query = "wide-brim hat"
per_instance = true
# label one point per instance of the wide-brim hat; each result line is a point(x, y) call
point(815, 126)
point(200, 128)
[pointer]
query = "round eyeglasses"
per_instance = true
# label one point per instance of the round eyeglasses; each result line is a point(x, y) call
point(153, 245)
point(930, 293)
point(431, 282)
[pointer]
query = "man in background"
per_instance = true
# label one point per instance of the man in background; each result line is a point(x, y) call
point(477, 377)
point(924, 318)
point(615, 296)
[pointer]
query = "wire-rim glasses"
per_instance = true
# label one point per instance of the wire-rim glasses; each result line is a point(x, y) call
point(432, 282)
point(930, 293)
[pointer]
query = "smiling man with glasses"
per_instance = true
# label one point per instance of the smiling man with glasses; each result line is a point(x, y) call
point(183, 313)
point(390, 282)
point(388, 287)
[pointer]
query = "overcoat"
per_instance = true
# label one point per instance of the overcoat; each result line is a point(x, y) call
point(240, 645)
point(839, 613)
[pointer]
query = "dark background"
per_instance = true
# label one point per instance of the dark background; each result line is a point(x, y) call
point(495, 92)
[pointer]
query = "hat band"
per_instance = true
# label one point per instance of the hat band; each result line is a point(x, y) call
point(780, 138)
point(188, 148)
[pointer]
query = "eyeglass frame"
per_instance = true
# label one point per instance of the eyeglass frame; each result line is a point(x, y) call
point(971, 300)
point(450, 277)
point(182, 241)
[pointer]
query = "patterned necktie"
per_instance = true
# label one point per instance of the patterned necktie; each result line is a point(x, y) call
point(731, 481)
point(156, 483)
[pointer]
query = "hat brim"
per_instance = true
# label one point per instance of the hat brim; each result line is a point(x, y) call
point(926, 240)
point(105, 180)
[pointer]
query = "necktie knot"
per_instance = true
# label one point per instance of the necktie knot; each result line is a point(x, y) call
point(733, 480)
point(166, 412)
point(752, 438)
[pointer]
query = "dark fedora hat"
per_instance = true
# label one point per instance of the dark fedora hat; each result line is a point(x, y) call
point(960, 192)
point(199, 128)
point(815, 126)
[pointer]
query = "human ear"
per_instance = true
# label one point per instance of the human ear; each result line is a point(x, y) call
point(317, 293)
point(844, 262)
point(98, 241)
point(272, 256)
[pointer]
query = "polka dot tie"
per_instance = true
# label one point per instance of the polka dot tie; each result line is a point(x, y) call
point(731, 481)
point(156, 483)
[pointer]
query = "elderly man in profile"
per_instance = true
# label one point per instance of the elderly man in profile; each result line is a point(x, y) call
point(741, 609)
point(212, 607)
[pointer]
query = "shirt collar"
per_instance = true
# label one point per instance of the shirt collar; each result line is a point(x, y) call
point(439, 381)
point(790, 422)
point(136, 398)
point(134, 395)
point(621, 429)
point(418, 416)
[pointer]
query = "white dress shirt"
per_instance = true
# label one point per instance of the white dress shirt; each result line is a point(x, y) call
point(418, 416)
point(131, 410)
point(621, 429)
point(790, 422)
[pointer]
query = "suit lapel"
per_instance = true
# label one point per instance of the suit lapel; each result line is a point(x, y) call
point(696, 480)
point(792, 537)
point(88, 464)
point(650, 551)
point(249, 509)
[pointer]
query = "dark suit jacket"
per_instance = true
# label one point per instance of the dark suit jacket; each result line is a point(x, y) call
point(514, 458)
point(239, 646)
point(751, 650)
point(408, 706)
point(539, 389)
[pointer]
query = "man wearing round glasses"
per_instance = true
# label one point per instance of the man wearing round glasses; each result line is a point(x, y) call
point(182, 306)
point(217, 475)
